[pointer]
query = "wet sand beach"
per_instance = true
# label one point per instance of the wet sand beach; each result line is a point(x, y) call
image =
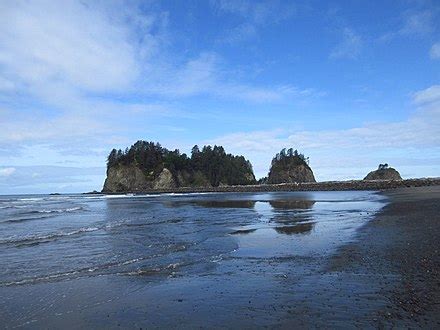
point(234, 260)
point(399, 253)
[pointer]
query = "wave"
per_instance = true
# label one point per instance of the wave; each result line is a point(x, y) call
point(18, 220)
point(94, 271)
point(66, 210)
point(31, 199)
point(13, 206)
point(44, 214)
point(37, 239)
point(7, 207)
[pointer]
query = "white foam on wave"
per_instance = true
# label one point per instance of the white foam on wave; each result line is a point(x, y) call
point(31, 239)
point(70, 209)
point(31, 199)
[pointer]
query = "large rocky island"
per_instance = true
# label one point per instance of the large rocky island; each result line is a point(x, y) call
point(148, 166)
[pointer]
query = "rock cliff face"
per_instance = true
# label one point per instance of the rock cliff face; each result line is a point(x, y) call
point(289, 170)
point(384, 174)
point(125, 178)
point(129, 178)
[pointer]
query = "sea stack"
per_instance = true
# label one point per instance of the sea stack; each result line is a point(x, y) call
point(289, 166)
point(383, 173)
point(148, 166)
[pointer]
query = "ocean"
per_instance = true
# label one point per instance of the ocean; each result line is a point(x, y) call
point(171, 260)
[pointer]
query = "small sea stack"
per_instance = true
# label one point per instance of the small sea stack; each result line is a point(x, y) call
point(290, 166)
point(383, 173)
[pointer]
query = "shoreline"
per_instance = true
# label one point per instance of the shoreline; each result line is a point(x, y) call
point(398, 251)
point(309, 186)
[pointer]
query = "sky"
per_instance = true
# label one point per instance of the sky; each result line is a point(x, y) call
point(350, 84)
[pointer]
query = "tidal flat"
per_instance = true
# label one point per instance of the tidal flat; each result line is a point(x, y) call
point(278, 259)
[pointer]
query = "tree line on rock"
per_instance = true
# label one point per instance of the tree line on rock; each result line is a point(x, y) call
point(216, 166)
point(289, 156)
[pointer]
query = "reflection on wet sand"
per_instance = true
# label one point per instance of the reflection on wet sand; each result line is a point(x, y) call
point(233, 204)
point(284, 214)
point(291, 219)
point(281, 204)
point(227, 203)
point(291, 204)
point(301, 228)
point(243, 231)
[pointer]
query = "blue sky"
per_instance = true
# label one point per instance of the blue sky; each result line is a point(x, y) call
point(349, 83)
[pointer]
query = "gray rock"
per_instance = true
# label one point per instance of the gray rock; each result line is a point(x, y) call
point(383, 174)
point(292, 171)
point(126, 178)
point(165, 180)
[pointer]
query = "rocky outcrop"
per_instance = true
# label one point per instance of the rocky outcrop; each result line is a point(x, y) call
point(291, 174)
point(291, 168)
point(130, 178)
point(148, 166)
point(383, 174)
point(165, 180)
point(123, 178)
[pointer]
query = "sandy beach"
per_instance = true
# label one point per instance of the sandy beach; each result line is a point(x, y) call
point(398, 252)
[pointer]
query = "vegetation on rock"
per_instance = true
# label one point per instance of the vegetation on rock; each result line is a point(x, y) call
point(211, 166)
point(289, 166)
point(383, 172)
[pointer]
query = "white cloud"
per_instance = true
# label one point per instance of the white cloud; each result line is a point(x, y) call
point(349, 47)
point(66, 56)
point(46, 179)
point(207, 74)
point(67, 47)
point(354, 147)
point(89, 49)
point(428, 95)
point(7, 171)
point(435, 51)
point(61, 78)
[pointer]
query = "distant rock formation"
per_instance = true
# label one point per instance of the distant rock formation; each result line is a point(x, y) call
point(147, 166)
point(289, 166)
point(384, 172)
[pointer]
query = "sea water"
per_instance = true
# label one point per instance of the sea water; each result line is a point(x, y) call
point(169, 259)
